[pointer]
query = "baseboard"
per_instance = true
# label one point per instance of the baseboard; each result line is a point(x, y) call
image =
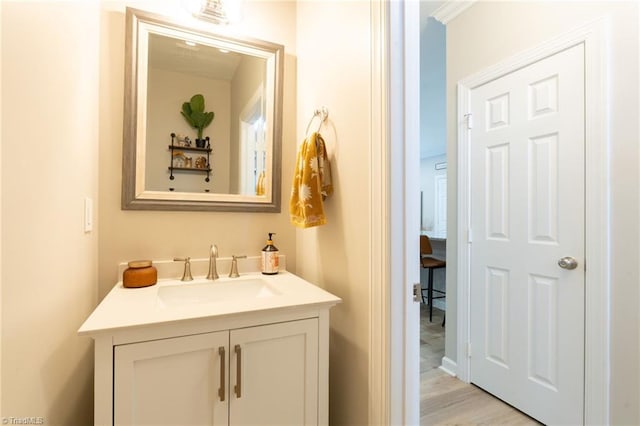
point(449, 366)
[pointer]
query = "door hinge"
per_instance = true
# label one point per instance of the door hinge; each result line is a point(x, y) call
point(468, 349)
point(469, 236)
point(417, 292)
point(469, 120)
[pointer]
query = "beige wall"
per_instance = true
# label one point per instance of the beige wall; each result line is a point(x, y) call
point(1, 197)
point(489, 32)
point(333, 256)
point(127, 235)
point(49, 165)
point(167, 90)
point(334, 69)
point(65, 127)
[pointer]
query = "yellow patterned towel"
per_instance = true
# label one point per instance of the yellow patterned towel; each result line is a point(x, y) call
point(311, 183)
point(260, 183)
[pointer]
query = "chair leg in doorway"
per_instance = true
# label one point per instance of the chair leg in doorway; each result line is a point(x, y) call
point(430, 294)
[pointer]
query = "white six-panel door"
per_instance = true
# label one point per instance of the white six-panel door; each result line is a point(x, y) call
point(527, 212)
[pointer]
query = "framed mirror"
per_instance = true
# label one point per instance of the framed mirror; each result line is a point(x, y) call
point(176, 75)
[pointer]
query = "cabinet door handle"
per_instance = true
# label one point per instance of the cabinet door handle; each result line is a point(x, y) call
point(222, 371)
point(238, 387)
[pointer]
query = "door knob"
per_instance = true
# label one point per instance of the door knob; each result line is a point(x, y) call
point(568, 262)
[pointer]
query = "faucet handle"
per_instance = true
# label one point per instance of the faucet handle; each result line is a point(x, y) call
point(186, 275)
point(234, 266)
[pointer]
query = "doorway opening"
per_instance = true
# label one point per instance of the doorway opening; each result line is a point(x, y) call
point(433, 187)
point(253, 152)
point(437, 371)
point(596, 321)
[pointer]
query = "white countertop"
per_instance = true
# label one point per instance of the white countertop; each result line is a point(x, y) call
point(124, 307)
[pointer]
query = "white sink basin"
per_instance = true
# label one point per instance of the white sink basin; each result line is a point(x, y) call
point(208, 292)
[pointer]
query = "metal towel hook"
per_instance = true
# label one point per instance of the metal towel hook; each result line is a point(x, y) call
point(322, 114)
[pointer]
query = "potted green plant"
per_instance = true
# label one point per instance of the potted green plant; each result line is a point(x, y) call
point(193, 111)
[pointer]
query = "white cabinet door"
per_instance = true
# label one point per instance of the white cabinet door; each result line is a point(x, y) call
point(274, 374)
point(264, 375)
point(172, 381)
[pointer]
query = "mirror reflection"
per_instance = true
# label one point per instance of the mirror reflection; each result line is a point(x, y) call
point(207, 128)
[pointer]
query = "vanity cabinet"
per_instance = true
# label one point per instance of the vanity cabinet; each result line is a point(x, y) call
point(254, 375)
point(235, 351)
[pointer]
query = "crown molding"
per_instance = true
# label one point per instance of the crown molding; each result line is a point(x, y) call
point(450, 9)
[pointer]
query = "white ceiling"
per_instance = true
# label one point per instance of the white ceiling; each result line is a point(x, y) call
point(173, 54)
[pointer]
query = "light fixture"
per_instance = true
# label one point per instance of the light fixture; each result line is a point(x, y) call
point(217, 11)
point(190, 43)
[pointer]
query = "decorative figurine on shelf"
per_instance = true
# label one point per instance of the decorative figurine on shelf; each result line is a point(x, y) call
point(201, 163)
point(188, 162)
point(178, 159)
point(183, 140)
point(193, 111)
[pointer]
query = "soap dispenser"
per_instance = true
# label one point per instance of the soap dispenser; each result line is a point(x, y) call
point(270, 257)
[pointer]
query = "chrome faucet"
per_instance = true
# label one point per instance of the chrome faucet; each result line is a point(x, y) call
point(213, 258)
point(186, 275)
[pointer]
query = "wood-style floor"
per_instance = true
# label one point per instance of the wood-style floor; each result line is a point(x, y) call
point(445, 400)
